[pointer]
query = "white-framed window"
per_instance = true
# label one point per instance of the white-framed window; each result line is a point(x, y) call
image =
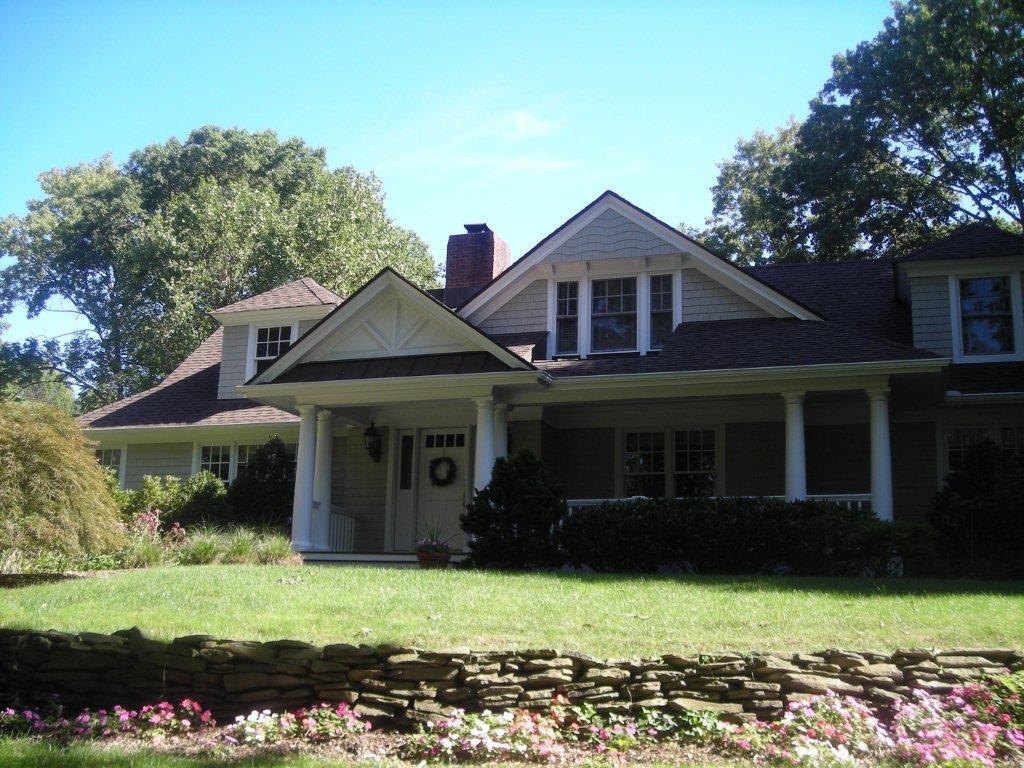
point(661, 309)
point(216, 459)
point(567, 322)
point(109, 458)
point(271, 342)
point(644, 463)
point(613, 314)
point(696, 462)
point(960, 440)
point(988, 320)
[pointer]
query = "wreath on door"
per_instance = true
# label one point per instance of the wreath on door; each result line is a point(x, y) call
point(442, 471)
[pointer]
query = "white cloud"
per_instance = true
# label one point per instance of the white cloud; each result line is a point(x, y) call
point(528, 126)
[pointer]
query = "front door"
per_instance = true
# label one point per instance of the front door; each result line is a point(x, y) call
point(442, 491)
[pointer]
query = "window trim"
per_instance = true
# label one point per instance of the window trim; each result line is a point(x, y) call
point(1016, 312)
point(250, 352)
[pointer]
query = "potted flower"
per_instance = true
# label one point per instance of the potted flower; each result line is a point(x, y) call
point(433, 550)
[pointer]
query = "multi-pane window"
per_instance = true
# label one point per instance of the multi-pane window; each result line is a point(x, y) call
point(1012, 441)
point(109, 458)
point(986, 316)
point(661, 309)
point(216, 459)
point(567, 319)
point(271, 342)
point(695, 462)
point(644, 459)
point(960, 440)
point(245, 452)
point(613, 314)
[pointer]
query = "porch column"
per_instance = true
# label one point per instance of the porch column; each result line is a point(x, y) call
point(500, 430)
point(881, 455)
point(322, 480)
point(484, 459)
point(302, 507)
point(796, 462)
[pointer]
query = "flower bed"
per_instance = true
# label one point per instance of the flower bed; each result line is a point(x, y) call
point(978, 724)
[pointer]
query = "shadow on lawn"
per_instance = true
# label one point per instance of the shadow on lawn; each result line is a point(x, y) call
point(34, 754)
point(842, 586)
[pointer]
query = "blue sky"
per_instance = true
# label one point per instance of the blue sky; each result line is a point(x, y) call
point(515, 114)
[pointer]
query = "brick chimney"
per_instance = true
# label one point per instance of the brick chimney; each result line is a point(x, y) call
point(474, 259)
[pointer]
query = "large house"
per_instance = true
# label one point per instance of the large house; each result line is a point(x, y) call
point(627, 356)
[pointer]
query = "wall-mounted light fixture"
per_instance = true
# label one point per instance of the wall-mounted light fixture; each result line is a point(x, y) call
point(371, 441)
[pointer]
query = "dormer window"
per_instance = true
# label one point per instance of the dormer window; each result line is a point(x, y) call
point(613, 315)
point(271, 342)
point(986, 316)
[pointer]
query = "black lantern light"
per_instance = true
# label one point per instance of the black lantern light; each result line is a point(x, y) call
point(371, 441)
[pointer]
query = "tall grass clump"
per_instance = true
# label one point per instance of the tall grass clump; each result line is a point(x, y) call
point(54, 497)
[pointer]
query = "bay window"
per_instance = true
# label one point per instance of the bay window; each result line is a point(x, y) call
point(986, 316)
point(613, 315)
point(567, 319)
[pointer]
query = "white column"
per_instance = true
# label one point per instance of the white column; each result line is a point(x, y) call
point(322, 480)
point(500, 430)
point(881, 455)
point(796, 461)
point(302, 507)
point(484, 442)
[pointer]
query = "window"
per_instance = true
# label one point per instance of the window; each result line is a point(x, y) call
point(567, 319)
point(986, 316)
point(661, 309)
point(960, 440)
point(109, 458)
point(449, 440)
point(613, 314)
point(1012, 441)
point(271, 342)
point(216, 459)
point(695, 462)
point(244, 454)
point(644, 464)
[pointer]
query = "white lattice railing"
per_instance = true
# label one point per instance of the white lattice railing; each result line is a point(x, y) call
point(850, 500)
point(342, 531)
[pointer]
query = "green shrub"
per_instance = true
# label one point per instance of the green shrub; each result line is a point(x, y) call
point(263, 491)
point(240, 546)
point(512, 521)
point(201, 498)
point(979, 513)
point(54, 497)
point(741, 536)
point(201, 546)
point(274, 547)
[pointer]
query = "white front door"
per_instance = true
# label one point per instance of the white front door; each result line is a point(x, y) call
point(440, 503)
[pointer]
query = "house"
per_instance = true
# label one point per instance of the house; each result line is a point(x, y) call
point(628, 357)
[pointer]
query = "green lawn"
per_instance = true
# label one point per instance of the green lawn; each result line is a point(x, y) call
point(604, 615)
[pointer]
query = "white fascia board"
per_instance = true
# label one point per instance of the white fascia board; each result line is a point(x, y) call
point(473, 338)
point(714, 266)
point(963, 267)
point(280, 315)
point(176, 433)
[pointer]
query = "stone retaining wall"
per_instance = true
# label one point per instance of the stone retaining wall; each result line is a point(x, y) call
point(404, 686)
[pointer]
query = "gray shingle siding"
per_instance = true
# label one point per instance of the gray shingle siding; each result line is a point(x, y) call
point(232, 363)
point(704, 299)
point(611, 235)
point(527, 311)
point(156, 459)
point(929, 306)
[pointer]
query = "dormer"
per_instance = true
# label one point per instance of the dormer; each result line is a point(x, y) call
point(259, 329)
point(965, 295)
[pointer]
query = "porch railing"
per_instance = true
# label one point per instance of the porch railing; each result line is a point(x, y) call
point(849, 500)
point(342, 531)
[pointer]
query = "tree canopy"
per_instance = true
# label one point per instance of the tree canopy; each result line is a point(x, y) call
point(917, 130)
point(145, 249)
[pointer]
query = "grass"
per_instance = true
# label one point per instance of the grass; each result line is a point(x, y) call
point(603, 615)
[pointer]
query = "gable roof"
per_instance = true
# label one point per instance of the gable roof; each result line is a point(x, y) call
point(187, 397)
point(386, 277)
point(612, 200)
point(769, 342)
point(304, 292)
point(971, 241)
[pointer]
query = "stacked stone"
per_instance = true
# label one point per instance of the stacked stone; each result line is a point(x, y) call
point(403, 686)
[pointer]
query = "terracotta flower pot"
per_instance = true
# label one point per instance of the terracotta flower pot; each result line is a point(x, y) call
point(433, 559)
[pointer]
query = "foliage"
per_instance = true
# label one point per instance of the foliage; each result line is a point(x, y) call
point(27, 373)
point(742, 535)
point(145, 249)
point(154, 721)
point(511, 522)
point(509, 735)
point(319, 724)
point(916, 131)
point(262, 492)
point(977, 514)
point(53, 495)
point(200, 498)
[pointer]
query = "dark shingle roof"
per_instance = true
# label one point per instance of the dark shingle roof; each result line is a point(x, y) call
point(187, 397)
point(738, 344)
point(303, 292)
point(393, 367)
point(971, 241)
point(972, 378)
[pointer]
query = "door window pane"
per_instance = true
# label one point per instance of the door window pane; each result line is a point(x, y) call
point(986, 315)
point(405, 463)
